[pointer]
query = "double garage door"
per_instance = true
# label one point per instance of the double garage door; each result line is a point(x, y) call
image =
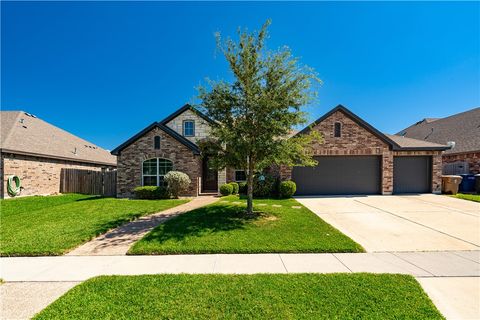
point(344, 175)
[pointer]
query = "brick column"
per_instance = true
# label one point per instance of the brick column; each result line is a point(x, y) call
point(387, 173)
point(437, 173)
point(222, 178)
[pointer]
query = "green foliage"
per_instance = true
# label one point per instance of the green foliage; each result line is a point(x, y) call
point(264, 185)
point(235, 187)
point(151, 192)
point(254, 115)
point(242, 188)
point(51, 225)
point(177, 182)
point(287, 189)
point(223, 227)
point(257, 296)
point(471, 197)
point(226, 189)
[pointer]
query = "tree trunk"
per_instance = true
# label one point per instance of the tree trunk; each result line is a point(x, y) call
point(250, 187)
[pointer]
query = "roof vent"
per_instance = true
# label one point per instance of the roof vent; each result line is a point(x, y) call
point(451, 144)
point(21, 120)
point(30, 115)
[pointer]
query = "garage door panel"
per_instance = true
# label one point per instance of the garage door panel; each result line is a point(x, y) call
point(339, 175)
point(412, 174)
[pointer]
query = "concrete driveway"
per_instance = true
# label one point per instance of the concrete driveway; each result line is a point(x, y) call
point(424, 222)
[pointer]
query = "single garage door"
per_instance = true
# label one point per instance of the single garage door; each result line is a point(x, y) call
point(339, 175)
point(412, 174)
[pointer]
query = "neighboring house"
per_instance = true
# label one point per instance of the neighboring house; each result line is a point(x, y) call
point(461, 131)
point(355, 158)
point(37, 151)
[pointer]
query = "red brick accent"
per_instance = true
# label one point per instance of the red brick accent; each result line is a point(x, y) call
point(473, 159)
point(38, 175)
point(130, 159)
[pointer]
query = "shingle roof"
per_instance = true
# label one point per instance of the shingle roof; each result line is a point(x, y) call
point(406, 143)
point(390, 140)
point(24, 133)
point(167, 130)
point(462, 128)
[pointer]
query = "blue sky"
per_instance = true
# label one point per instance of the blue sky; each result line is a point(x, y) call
point(105, 70)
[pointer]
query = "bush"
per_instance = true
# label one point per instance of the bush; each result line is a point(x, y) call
point(226, 189)
point(151, 192)
point(177, 182)
point(235, 187)
point(264, 187)
point(242, 188)
point(287, 189)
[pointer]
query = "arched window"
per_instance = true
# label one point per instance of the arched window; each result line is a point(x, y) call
point(154, 170)
point(156, 142)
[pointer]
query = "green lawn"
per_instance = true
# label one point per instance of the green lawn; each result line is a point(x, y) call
point(52, 225)
point(223, 228)
point(471, 197)
point(261, 296)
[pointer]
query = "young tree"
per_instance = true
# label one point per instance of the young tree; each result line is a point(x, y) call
point(255, 114)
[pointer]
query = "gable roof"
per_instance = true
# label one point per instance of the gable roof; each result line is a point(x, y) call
point(182, 110)
point(24, 133)
point(393, 143)
point(165, 129)
point(462, 128)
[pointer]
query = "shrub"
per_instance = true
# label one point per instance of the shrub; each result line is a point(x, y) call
point(264, 187)
point(151, 192)
point(287, 189)
point(177, 182)
point(242, 187)
point(235, 187)
point(226, 189)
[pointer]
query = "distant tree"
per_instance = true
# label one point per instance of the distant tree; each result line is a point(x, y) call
point(255, 114)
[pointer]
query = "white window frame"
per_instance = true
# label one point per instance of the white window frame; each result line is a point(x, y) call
point(157, 173)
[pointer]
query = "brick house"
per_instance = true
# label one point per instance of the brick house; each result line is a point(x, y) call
point(355, 158)
point(37, 151)
point(461, 131)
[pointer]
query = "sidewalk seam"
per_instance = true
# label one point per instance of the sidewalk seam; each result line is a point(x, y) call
point(283, 263)
point(333, 254)
point(413, 264)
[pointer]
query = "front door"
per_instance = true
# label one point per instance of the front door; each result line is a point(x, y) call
point(209, 177)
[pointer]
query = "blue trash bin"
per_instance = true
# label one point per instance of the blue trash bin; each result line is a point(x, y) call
point(467, 184)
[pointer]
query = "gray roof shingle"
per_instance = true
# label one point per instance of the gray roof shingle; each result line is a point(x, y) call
point(462, 128)
point(26, 134)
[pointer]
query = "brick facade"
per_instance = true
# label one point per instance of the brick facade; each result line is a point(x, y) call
point(38, 175)
point(355, 140)
point(472, 158)
point(130, 160)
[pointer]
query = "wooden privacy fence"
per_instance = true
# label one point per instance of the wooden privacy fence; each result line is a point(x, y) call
point(88, 182)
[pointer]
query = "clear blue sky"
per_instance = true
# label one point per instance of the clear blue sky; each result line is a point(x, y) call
point(105, 70)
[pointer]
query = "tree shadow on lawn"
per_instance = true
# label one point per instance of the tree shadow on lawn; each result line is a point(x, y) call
point(209, 219)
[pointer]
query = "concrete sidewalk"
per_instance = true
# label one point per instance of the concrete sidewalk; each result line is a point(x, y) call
point(119, 240)
point(80, 268)
point(34, 282)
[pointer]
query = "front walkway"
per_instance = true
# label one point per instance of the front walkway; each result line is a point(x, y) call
point(119, 240)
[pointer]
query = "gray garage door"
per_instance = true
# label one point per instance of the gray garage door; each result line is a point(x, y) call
point(412, 174)
point(339, 175)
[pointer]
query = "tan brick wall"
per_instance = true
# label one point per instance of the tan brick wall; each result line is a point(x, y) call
point(202, 127)
point(473, 159)
point(38, 175)
point(130, 159)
